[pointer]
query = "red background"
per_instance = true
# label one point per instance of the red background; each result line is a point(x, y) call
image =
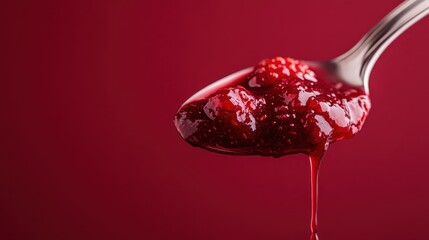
point(89, 150)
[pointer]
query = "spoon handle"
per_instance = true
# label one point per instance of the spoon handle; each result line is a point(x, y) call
point(366, 52)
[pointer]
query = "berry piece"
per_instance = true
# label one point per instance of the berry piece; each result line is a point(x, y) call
point(271, 71)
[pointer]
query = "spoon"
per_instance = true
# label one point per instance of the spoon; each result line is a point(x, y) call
point(354, 66)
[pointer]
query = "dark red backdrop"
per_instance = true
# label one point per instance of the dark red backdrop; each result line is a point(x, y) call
point(89, 151)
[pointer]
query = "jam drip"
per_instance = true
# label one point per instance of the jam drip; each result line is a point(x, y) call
point(315, 160)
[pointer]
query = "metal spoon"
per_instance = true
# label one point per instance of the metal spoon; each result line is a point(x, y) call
point(354, 66)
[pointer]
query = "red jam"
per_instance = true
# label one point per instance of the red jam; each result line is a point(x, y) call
point(280, 108)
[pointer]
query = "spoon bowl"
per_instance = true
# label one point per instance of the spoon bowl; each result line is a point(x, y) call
point(221, 83)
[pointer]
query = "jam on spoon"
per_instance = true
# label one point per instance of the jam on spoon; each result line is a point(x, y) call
point(284, 106)
point(280, 108)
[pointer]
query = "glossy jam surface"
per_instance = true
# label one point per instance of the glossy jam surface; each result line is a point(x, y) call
point(280, 108)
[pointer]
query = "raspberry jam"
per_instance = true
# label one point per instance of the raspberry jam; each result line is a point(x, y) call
point(280, 107)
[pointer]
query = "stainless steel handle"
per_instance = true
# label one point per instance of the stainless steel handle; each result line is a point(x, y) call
point(359, 61)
